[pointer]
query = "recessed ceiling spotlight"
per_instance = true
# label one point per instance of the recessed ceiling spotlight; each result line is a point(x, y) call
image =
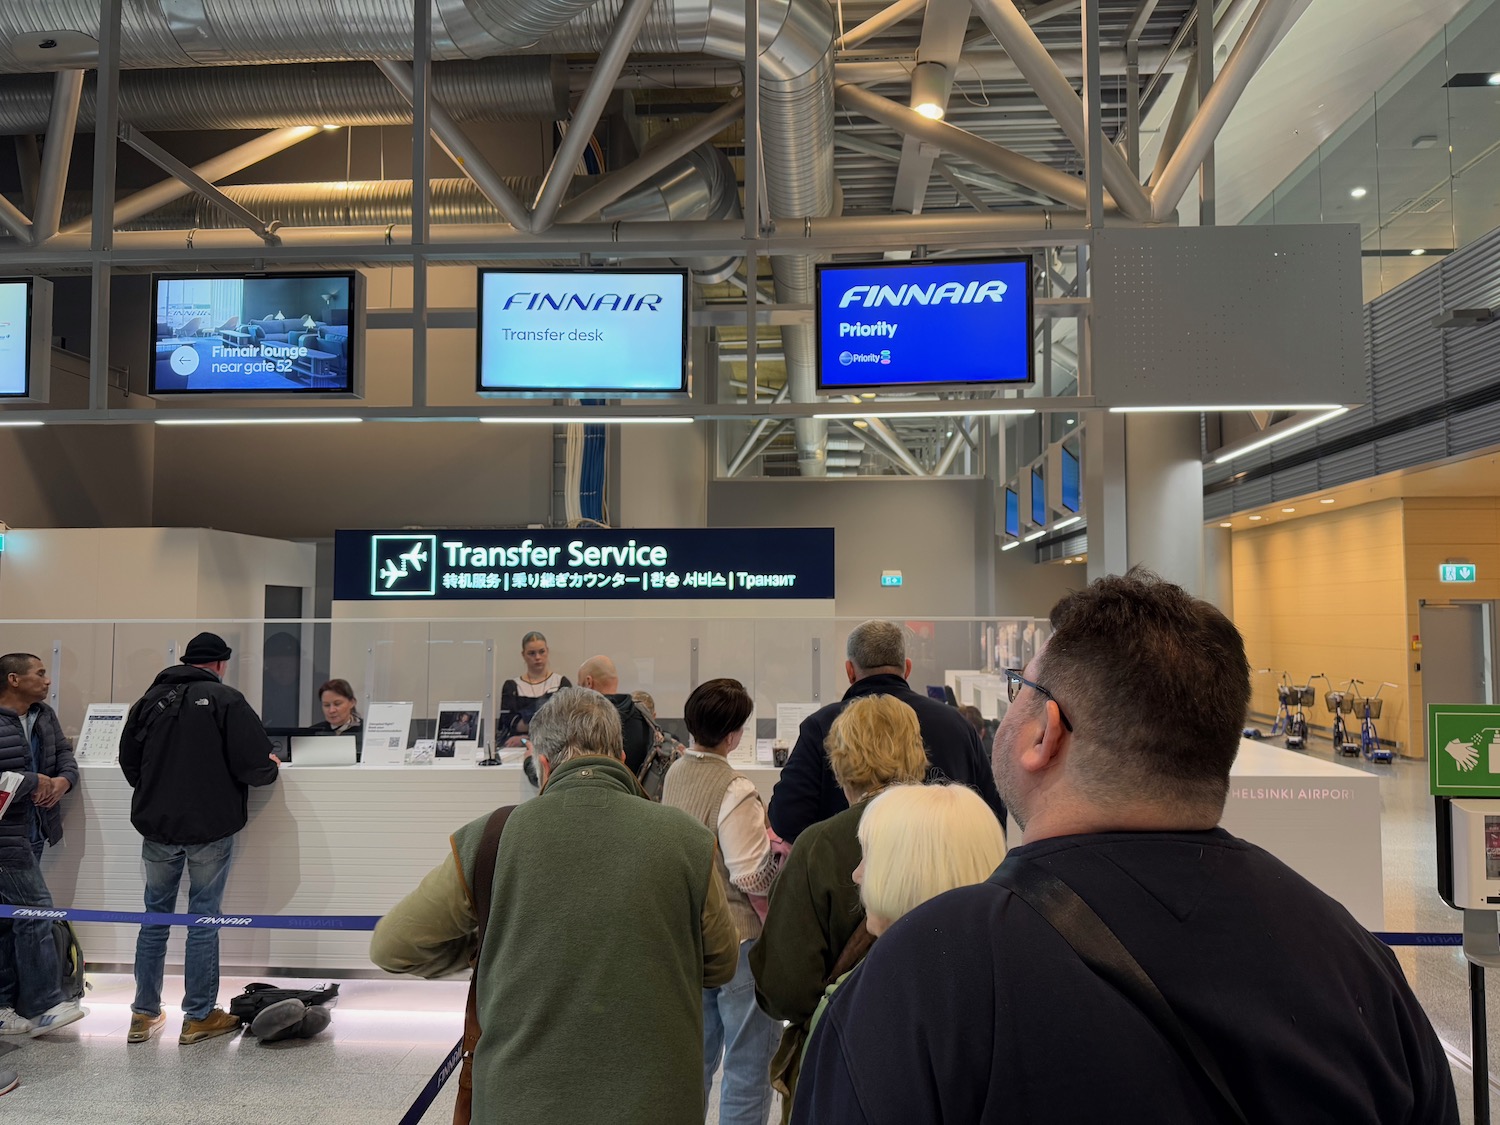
point(1226, 523)
point(1255, 518)
point(1418, 252)
point(1493, 80)
point(1288, 511)
point(1327, 500)
point(1069, 421)
point(1359, 193)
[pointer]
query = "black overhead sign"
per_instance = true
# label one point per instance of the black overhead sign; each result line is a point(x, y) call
point(755, 563)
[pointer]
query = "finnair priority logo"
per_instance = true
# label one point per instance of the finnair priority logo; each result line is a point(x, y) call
point(403, 566)
point(945, 293)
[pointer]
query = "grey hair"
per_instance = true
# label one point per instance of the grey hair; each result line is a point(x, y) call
point(876, 644)
point(575, 722)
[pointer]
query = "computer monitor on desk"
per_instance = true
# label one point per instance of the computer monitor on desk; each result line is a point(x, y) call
point(324, 750)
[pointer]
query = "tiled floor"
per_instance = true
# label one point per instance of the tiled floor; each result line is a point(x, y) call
point(388, 1036)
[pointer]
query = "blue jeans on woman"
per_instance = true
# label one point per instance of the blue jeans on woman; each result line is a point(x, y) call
point(207, 870)
point(30, 978)
point(734, 1027)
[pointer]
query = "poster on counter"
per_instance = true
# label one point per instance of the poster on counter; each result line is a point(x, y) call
point(99, 741)
point(386, 728)
point(789, 718)
point(422, 752)
point(460, 729)
point(744, 753)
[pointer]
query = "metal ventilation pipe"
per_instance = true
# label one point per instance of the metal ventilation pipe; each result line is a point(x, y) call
point(701, 185)
point(271, 97)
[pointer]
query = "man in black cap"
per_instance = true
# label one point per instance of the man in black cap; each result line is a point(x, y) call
point(191, 749)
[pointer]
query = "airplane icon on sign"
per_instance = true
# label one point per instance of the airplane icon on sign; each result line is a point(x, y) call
point(399, 567)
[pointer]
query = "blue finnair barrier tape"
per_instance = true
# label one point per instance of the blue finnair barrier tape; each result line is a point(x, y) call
point(222, 921)
point(1421, 939)
point(434, 1084)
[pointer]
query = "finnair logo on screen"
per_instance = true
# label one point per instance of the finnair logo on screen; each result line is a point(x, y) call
point(403, 566)
point(585, 302)
point(947, 293)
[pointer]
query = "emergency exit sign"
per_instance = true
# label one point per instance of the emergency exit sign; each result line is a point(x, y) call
point(1457, 572)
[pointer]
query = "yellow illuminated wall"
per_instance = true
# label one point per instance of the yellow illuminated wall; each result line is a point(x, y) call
point(1327, 593)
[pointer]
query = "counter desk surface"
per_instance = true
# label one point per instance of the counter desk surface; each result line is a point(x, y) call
point(354, 841)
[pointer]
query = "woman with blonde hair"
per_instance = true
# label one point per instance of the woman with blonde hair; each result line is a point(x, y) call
point(917, 842)
point(815, 930)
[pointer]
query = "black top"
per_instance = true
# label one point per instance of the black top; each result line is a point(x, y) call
point(808, 792)
point(516, 708)
point(192, 759)
point(638, 730)
point(971, 1008)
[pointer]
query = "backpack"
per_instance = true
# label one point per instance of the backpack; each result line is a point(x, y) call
point(664, 751)
point(248, 1004)
point(69, 960)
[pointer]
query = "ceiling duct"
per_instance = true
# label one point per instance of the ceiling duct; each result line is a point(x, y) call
point(517, 88)
point(795, 67)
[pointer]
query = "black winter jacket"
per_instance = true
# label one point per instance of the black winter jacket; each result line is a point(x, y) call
point(192, 761)
point(15, 756)
point(639, 732)
point(807, 791)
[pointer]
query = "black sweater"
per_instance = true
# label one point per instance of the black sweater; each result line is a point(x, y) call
point(191, 770)
point(807, 791)
point(971, 1008)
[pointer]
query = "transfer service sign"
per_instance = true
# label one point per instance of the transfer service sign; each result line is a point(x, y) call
point(741, 563)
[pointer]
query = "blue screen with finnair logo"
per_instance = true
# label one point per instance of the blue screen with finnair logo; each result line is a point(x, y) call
point(924, 324)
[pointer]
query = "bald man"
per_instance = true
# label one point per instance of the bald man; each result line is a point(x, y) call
point(598, 673)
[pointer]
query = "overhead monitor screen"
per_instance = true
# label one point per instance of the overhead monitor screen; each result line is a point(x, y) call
point(1012, 512)
point(569, 332)
point(254, 334)
point(1072, 489)
point(1038, 499)
point(928, 324)
point(15, 339)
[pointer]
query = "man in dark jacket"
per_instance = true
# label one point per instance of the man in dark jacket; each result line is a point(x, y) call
point(191, 748)
point(877, 665)
point(1305, 1014)
point(599, 674)
point(32, 745)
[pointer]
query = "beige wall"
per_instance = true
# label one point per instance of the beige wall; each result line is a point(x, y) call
point(1327, 594)
point(1438, 530)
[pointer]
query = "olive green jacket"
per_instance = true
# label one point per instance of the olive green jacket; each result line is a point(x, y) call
point(606, 925)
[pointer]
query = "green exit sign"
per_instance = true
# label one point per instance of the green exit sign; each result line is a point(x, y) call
point(1457, 572)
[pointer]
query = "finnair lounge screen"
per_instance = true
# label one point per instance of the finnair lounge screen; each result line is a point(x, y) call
point(923, 325)
point(569, 332)
point(15, 338)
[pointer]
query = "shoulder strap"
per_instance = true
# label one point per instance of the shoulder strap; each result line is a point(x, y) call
point(1098, 948)
point(484, 870)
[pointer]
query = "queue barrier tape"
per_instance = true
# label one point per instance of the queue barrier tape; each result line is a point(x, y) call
point(221, 921)
point(367, 922)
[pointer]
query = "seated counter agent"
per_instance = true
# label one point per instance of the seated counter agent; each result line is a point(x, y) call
point(807, 791)
point(340, 713)
point(605, 918)
point(1305, 1014)
point(33, 745)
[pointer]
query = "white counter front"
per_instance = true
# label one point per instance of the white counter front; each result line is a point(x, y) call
point(355, 840)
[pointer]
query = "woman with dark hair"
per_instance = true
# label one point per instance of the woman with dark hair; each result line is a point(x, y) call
point(340, 712)
point(522, 698)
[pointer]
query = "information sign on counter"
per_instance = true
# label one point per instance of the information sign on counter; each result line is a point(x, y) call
point(386, 729)
point(99, 741)
point(578, 565)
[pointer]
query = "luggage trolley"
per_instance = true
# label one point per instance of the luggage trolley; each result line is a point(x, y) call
point(1369, 742)
point(1278, 725)
point(1300, 696)
point(1339, 704)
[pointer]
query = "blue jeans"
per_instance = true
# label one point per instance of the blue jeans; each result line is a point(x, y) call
point(208, 869)
point(30, 979)
point(734, 1027)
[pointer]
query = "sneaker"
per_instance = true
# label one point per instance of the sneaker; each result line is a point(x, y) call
point(143, 1027)
point(217, 1022)
point(9, 1080)
point(13, 1022)
point(59, 1015)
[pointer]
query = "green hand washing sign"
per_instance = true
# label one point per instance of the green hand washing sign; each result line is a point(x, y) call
point(1463, 746)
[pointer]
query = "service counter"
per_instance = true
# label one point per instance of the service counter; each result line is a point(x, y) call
point(355, 840)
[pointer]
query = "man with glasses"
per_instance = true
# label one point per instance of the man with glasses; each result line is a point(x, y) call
point(1130, 961)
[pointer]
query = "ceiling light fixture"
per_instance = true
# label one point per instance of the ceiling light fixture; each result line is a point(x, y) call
point(1035, 535)
point(1255, 518)
point(1256, 409)
point(1011, 546)
point(1281, 435)
point(26, 423)
point(1493, 80)
point(930, 83)
point(1288, 511)
point(955, 412)
point(329, 421)
point(1418, 252)
point(1359, 193)
point(1069, 522)
point(1327, 500)
point(583, 419)
point(1226, 523)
